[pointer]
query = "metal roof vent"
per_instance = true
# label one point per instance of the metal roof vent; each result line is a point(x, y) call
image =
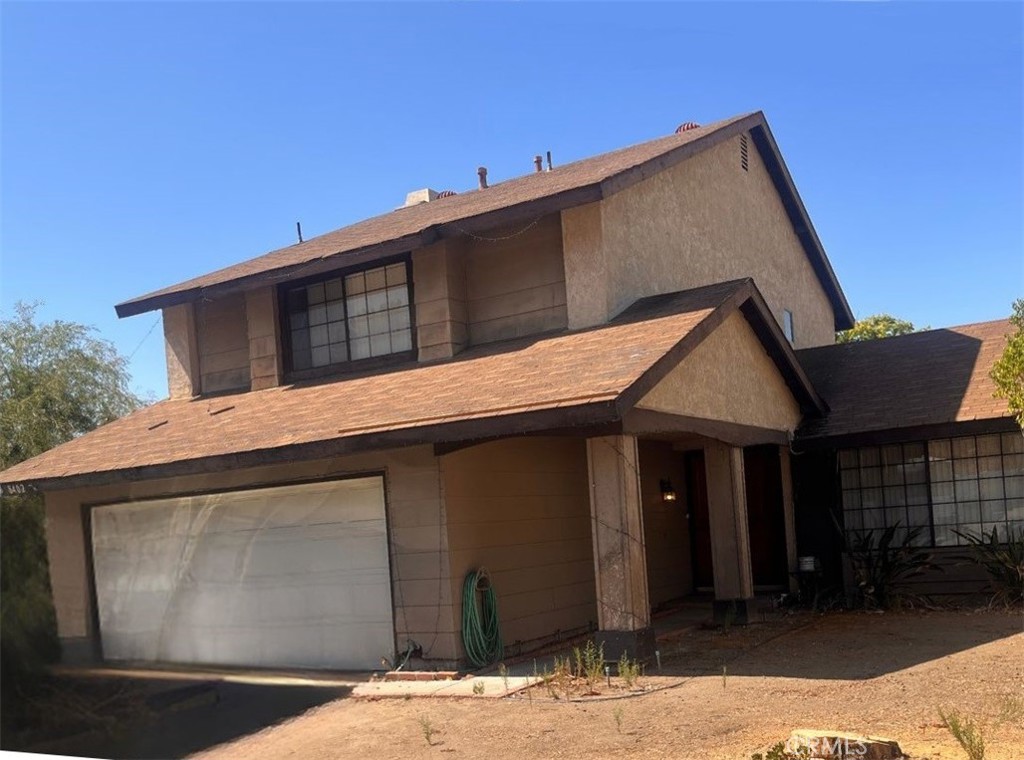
point(446, 194)
point(686, 126)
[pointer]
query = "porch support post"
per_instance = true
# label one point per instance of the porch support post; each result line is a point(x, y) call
point(790, 517)
point(730, 540)
point(620, 561)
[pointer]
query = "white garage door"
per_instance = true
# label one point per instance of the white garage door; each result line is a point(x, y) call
point(296, 576)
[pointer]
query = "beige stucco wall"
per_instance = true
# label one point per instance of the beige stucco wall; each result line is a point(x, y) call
point(728, 377)
point(666, 527)
point(180, 350)
point(515, 284)
point(223, 341)
point(520, 509)
point(701, 222)
point(265, 360)
point(439, 290)
point(421, 586)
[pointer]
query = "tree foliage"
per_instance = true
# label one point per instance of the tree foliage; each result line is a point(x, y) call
point(1008, 371)
point(875, 326)
point(57, 381)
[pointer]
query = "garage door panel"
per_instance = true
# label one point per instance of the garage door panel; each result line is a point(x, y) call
point(291, 576)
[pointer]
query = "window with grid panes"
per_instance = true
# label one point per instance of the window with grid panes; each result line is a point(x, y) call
point(969, 484)
point(349, 317)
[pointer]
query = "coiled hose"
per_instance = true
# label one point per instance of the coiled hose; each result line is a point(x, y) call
point(481, 633)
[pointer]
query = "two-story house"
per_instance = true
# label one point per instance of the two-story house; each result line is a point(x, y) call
point(584, 380)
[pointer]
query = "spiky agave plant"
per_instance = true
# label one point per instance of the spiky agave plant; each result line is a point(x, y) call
point(1002, 559)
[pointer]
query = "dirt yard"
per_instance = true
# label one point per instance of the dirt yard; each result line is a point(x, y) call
point(871, 673)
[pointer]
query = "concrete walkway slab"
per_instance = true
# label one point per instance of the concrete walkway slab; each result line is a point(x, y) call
point(494, 687)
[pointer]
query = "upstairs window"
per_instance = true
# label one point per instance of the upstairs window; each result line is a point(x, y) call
point(349, 317)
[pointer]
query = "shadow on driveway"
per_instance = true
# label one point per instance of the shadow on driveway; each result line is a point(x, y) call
point(176, 718)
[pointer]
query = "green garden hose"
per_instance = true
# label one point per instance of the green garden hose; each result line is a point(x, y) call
point(481, 633)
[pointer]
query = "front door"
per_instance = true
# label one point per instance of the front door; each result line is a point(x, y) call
point(700, 524)
point(765, 515)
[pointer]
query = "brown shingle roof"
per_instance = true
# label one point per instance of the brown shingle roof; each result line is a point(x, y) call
point(566, 186)
point(553, 380)
point(928, 378)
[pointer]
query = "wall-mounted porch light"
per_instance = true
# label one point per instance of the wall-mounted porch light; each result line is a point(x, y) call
point(668, 493)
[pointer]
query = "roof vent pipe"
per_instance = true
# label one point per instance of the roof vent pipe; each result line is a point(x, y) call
point(549, 160)
point(481, 174)
point(686, 126)
point(538, 164)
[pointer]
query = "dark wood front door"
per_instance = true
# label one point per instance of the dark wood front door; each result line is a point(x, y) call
point(700, 525)
point(765, 515)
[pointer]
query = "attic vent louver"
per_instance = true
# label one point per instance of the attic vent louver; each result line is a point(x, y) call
point(744, 153)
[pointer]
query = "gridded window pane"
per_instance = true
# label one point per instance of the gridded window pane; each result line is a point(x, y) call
point(1014, 487)
point(944, 514)
point(914, 472)
point(378, 323)
point(317, 314)
point(315, 293)
point(965, 469)
point(871, 477)
point(917, 494)
point(939, 449)
point(1013, 464)
point(895, 496)
point(993, 511)
point(944, 536)
point(398, 297)
point(918, 517)
point(987, 445)
point(942, 492)
point(871, 497)
point(964, 448)
point(318, 335)
point(968, 512)
point(375, 280)
point(396, 274)
point(401, 340)
point(848, 458)
point(869, 457)
point(966, 490)
point(321, 356)
point(335, 311)
point(1013, 443)
point(376, 301)
point(991, 488)
point(358, 327)
point(850, 478)
point(894, 515)
point(942, 470)
point(360, 348)
point(356, 305)
point(339, 353)
point(334, 290)
point(851, 500)
point(399, 319)
point(380, 345)
point(1015, 509)
point(336, 332)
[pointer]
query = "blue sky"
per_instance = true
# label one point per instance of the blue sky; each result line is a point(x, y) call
point(145, 143)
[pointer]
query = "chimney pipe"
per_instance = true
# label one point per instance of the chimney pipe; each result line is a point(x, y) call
point(538, 164)
point(481, 174)
point(298, 229)
point(549, 160)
